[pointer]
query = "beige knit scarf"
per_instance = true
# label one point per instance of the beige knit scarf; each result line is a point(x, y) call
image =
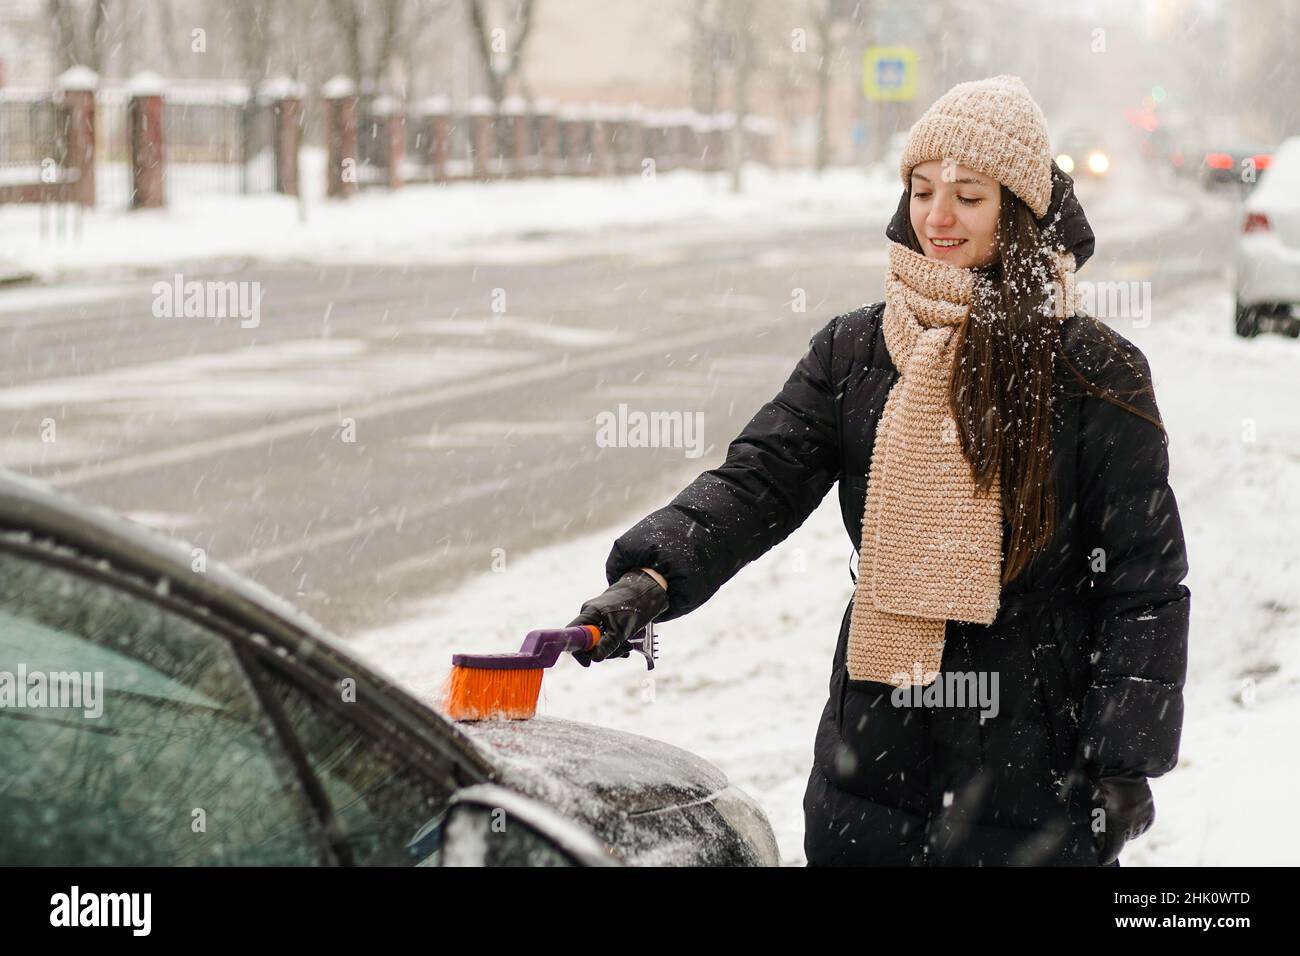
point(931, 547)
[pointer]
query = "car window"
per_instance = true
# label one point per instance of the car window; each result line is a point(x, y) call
point(381, 799)
point(130, 735)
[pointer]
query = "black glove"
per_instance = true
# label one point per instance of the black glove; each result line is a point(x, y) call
point(1128, 808)
point(621, 612)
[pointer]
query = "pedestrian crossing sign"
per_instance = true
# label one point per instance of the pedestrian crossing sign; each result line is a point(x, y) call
point(889, 73)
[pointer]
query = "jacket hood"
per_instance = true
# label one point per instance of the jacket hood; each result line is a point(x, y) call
point(1064, 222)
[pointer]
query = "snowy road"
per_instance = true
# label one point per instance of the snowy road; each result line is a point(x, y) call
point(472, 430)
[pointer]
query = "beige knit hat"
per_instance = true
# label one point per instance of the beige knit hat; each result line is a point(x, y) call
point(992, 126)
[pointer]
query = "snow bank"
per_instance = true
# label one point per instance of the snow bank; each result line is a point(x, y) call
point(504, 221)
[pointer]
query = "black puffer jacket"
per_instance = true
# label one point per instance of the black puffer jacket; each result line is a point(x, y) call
point(1091, 654)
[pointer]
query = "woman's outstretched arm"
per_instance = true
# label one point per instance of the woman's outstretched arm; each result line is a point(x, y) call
point(777, 470)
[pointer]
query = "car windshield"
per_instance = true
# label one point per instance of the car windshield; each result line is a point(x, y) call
point(130, 736)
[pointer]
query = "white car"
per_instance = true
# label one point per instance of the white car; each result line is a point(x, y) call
point(1268, 249)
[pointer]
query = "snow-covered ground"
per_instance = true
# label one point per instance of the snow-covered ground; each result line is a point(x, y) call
point(507, 221)
point(500, 222)
point(742, 680)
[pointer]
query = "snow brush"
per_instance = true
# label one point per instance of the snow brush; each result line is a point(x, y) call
point(506, 686)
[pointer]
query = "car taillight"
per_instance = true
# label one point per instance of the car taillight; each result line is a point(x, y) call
point(1262, 160)
point(1255, 222)
point(1218, 160)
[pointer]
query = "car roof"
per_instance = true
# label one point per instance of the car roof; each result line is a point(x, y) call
point(36, 507)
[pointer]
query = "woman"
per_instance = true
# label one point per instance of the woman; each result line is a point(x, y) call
point(1003, 473)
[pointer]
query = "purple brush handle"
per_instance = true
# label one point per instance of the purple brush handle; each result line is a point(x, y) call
point(542, 648)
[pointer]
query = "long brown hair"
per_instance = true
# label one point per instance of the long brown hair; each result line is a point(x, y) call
point(1003, 377)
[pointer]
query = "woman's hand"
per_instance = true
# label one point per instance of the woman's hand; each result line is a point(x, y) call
point(621, 612)
point(1129, 810)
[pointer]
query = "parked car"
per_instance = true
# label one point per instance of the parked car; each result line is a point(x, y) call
point(1268, 249)
point(1236, 165)
point(158, 709)
point(1083, 153)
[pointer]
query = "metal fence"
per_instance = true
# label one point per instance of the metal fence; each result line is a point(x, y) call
point(33, 148)
point(372, 143)
point(418, 166)
point(219, 139)
point(216, 143)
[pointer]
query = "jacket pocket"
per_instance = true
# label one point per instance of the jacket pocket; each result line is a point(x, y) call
point(1054, 690)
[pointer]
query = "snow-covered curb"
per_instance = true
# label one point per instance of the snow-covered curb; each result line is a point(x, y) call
point(519, 220)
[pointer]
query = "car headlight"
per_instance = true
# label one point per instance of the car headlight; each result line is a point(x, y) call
point(1098, 162)
point(1066, 162)
point(746, 818)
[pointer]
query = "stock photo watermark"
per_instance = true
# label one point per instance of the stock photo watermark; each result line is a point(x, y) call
point(949, 689)
point(75, 908)
point(1109, 299)
point(208, 299)
point(655, 429)
point(25, 689)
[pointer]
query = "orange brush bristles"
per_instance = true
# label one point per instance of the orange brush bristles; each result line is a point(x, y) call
point(482, 693)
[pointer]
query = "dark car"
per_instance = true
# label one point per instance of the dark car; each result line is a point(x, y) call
point(158, 709)
point(1237, 165)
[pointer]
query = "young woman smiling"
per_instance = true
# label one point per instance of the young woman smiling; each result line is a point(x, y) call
point(1003, 473)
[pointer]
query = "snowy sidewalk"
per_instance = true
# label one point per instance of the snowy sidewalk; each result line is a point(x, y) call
point(507, 221)
point(512, 221)
point(742, 680)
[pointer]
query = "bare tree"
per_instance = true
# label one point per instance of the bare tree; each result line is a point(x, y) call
point(302, 40)
point(375, 50)
point(731, 40)
point(387, 58)
point(499, 70)
point(80, 32)
point(708, 51)
point(255, 38)
point(740, 20)
point(171, 38)
point(414, 51)
point(347, 20)
point(826, 17)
